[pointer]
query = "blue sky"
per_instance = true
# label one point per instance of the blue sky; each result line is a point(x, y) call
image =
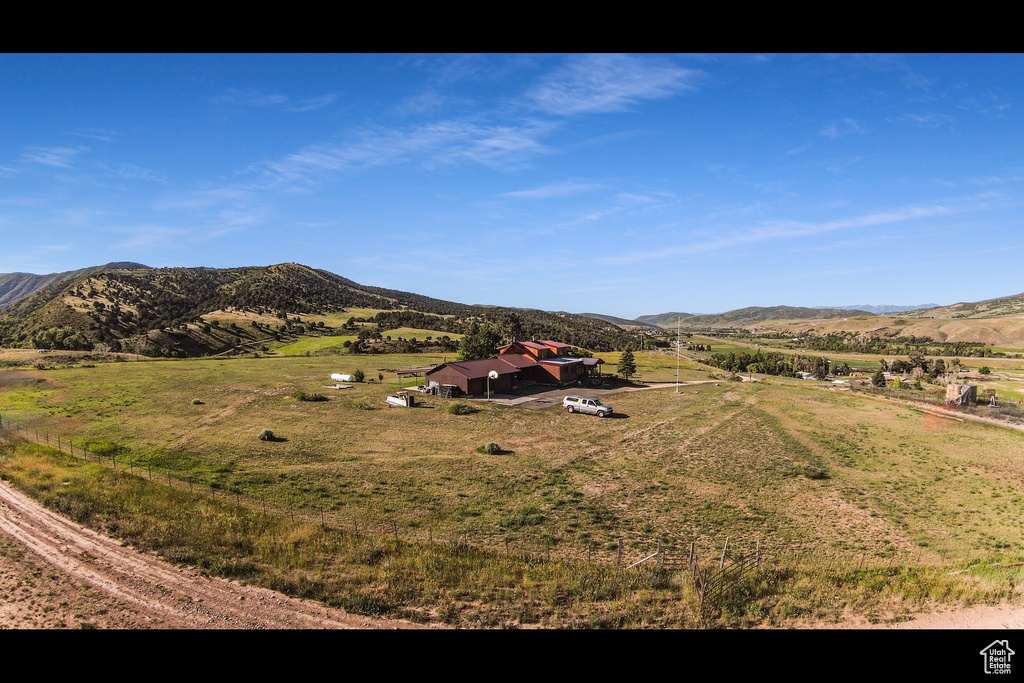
point(619, 184)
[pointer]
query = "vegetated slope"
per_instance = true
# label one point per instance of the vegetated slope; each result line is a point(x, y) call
point(160, 311)
point(622, 322)
point(880, 310)
point(742, 317)
point(16, 286)
point(664, 319)
point(990, 308)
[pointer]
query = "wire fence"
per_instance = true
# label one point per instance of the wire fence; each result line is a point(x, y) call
point(626, 550)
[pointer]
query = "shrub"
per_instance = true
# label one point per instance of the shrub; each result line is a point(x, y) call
point(266, 435)
point(196, 402)
point(303, 396)
point(461, 409)
point(491, 448)
point(358, 376)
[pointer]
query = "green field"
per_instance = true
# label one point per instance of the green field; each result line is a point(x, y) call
point(307, 344)
point(835, 477)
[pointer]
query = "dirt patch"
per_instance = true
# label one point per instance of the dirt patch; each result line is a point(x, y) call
point(57, 574)
point(935, 423)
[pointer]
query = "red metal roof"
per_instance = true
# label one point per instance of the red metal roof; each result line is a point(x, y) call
point(554, 344)
point(480, 368)
point(518, 360)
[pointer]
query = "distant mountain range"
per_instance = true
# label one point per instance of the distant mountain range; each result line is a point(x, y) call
point(879, 310)
point(622, 322)
point(746, 316)
point(167, 311)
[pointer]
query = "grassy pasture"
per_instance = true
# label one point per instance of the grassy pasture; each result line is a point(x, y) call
point(808, 473)
point(312, 344)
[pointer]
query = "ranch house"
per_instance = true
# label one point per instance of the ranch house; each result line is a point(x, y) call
point(519, 364)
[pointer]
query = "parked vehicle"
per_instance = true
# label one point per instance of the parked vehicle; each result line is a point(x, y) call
point(590, 406)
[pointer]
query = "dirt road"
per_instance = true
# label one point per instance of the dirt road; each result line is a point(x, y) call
point(57, 574)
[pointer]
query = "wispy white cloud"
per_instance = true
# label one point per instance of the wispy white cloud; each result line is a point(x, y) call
point(989, 103)
point(58, 157)
point(203, 199)
point(987, 181)
point(605, 83)
point(253, 98)
point(312, 103)
point(133, 172)
point(842, 128)
point(433, 143)
point(928, 120)
point(563, 189)
point(97, 134)
point(249, 97)
point(784, 230)
point(634, 199)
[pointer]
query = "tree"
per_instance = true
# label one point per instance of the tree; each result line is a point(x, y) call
point(878, 379)
point(480, 342)
point(627, 364)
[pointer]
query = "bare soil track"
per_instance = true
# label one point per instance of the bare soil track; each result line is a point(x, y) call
point(57, 574)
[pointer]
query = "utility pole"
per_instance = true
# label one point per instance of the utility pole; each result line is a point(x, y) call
point(678, 351)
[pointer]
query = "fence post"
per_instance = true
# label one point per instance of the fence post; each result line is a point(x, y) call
point(659, 554)
point(721, 564)
point(395, 527)
point(618, 554)
point(689, 562)
point(757, 555)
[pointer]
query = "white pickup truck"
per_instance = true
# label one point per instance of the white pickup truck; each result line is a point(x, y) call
point(591, 406)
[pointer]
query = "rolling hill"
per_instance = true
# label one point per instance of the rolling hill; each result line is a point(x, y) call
point(172, 311)
point(16, 286)
point(990, 308)
point(743, 317)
